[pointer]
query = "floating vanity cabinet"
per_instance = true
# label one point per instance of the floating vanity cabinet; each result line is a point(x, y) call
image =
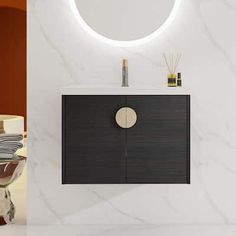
point(97, 150)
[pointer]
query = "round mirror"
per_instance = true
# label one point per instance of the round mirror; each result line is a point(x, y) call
point(125, 20)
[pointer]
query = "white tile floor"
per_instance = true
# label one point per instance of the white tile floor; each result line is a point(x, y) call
point(106, 230)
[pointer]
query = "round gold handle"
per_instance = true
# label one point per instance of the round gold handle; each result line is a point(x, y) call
point(126, 117)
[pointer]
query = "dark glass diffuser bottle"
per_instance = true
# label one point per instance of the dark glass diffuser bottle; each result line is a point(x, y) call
point(179, 80)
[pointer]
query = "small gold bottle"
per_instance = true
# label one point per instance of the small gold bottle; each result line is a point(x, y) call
point(172, 80)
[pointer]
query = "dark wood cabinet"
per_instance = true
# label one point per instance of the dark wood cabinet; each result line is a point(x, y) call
point(96, 150)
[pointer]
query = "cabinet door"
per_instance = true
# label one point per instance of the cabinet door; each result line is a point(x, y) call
point(93, 144)
point(158, 144)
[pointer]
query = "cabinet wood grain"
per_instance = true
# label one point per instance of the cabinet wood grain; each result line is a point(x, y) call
point(158, 144)
point(93, 145)
point(96, 150)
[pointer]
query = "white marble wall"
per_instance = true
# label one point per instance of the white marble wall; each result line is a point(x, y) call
point(60, 53)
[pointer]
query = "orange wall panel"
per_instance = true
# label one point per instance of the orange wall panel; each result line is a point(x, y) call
point(20, 4)
point(12, 61)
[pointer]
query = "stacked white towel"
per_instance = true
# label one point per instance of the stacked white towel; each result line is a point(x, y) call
point(9, 144)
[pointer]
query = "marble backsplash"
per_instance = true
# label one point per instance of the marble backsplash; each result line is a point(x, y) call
point(60, 53)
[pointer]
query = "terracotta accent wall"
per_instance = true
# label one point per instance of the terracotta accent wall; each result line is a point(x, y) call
point(13, 58)
point(20, 4)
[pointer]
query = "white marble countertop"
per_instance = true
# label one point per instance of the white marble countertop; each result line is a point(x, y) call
point(118, 90)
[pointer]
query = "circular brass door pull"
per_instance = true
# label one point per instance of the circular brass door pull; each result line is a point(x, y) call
point(126, 117)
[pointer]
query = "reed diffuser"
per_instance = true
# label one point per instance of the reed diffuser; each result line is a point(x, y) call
point(172, 62)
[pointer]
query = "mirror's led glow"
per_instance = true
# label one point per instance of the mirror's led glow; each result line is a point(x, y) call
point(137, 42)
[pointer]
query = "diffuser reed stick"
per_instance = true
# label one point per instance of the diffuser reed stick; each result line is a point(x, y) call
point(167, 64)
point(172, 61)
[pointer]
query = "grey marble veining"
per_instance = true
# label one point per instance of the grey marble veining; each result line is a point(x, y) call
point(61, 54)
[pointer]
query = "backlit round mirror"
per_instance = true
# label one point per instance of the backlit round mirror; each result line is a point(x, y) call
point(125, 20)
